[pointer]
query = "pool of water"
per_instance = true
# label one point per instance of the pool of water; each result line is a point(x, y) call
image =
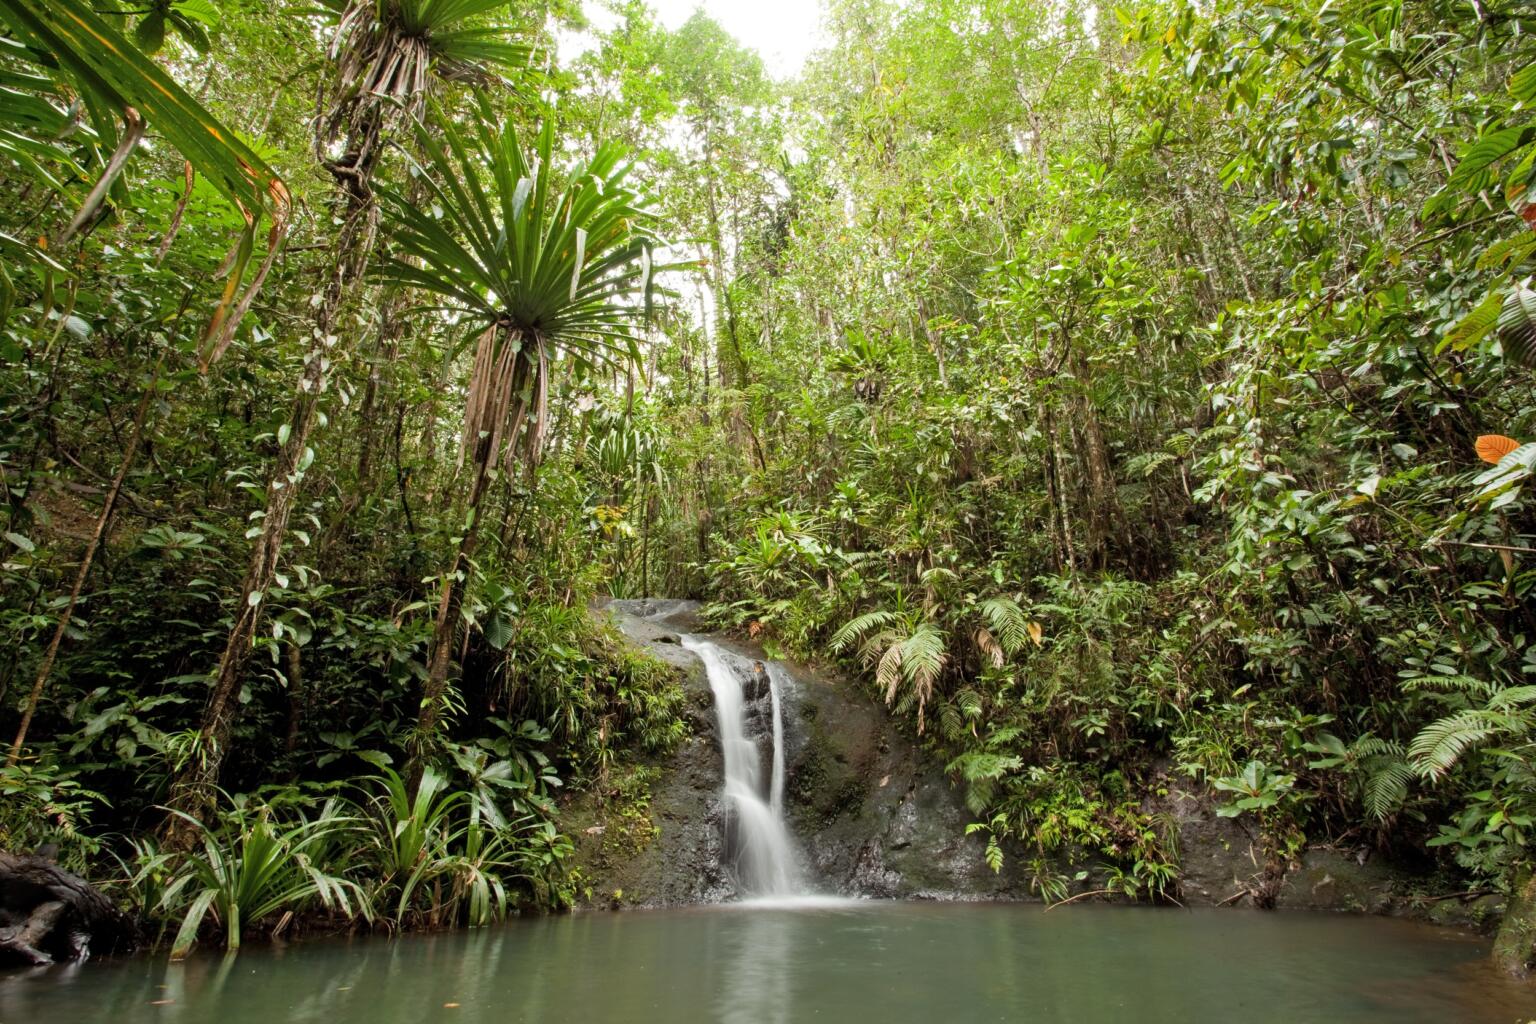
point(888, 963)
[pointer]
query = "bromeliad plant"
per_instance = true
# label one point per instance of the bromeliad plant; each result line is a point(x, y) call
point(438, 849)
point(545, 269)
point(256, 864)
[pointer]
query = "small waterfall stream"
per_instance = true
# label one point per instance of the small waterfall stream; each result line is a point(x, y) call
point(758, 843)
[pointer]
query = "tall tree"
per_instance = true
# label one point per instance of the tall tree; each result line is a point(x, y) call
point(546, 269)
point(385, 58)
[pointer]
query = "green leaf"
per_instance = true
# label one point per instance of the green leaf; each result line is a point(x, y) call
point(150, 31)
point(21, 542)
point(498, 632)
point(1475, 325)
point(1522, 84)
point(1517, 327)
point(1487, 151)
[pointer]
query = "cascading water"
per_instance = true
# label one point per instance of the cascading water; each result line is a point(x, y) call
point(765, 860)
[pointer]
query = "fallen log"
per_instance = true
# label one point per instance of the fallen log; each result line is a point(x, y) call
point(49, 914)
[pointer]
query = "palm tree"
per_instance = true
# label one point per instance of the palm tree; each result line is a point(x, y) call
point(540, 268)
point(386, 56)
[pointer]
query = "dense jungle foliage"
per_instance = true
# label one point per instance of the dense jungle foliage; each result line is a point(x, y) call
point(1123, 392)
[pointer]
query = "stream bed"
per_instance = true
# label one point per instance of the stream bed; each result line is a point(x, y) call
point(844, 961)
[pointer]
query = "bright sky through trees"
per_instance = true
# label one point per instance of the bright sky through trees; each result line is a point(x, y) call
point(784, 32)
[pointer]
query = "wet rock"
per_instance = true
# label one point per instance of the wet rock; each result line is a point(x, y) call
point(872, 814)
point(661, 615)
point(1331, 879)
point(1220, 859)
point(1224, 862)
point(757, 685)
point(655, 839)
point(875, 816)
point(1514, 948)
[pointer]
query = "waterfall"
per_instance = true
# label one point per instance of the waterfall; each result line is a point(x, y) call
point(758, 840)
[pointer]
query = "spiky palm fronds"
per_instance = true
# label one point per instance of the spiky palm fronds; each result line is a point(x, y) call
point(537, 264)
point(391, 51)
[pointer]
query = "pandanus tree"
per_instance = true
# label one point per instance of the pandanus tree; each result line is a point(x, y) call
point(546, 272)
point(386, 56)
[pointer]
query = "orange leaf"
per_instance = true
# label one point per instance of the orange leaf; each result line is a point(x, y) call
point(1493, 447)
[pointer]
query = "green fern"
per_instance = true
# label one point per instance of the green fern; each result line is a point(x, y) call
point(1508, 714)
point(1006, 622)
point(1386, 786)
point(1442, 743)
point(858, 629)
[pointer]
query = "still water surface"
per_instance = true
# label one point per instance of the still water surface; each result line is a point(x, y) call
point(889, 963)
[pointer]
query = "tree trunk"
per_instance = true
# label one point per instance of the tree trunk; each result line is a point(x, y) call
point(295, 673)
point(445, 629)
point(499, 410)
point(48, 914)
point(192, 791)
point(92, 546)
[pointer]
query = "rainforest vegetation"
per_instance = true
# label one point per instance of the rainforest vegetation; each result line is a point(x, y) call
point(1117, 392)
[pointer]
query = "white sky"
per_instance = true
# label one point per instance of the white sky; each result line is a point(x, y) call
point(784, 32)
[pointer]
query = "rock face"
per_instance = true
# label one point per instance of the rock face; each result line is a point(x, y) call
point(872, 815)
point(1224, 862)
point(666, 851)
point(1221, 861)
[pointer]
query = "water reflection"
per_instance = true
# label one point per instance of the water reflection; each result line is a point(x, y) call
point(892, 963)
point(758, 978)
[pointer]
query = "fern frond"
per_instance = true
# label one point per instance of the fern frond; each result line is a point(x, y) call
point(1386, 787)
point(1512, 698)
point(969, 703)
point(989, 647)
point(923, 655)
point(1007, 622)
point(859, 627)
point(1449, 684)
point(888, 673)
point(1441, 744)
